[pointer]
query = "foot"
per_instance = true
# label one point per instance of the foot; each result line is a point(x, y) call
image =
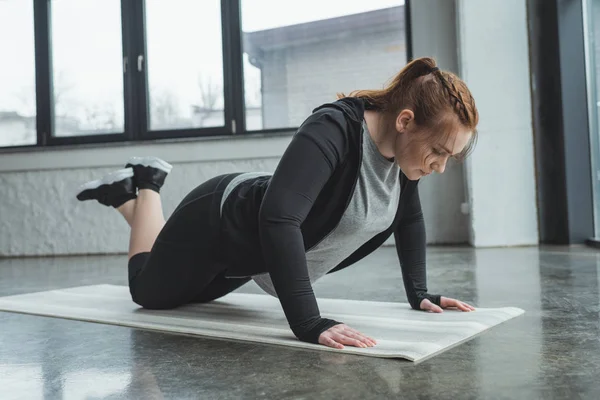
point(113, 190)
point(150, 172)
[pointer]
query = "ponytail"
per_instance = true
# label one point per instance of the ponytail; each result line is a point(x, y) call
point(429, 92)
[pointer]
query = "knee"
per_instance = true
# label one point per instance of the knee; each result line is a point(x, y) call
point(150, 301)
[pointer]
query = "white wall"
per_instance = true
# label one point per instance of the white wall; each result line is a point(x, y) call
point(434, 35)
point(41, 216)
point(298, 78)
point(494, 61)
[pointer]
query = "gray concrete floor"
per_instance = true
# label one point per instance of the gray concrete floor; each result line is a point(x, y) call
point(552, 352)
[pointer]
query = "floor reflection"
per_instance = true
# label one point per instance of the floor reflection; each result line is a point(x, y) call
point(551, 351)
point(570, 326)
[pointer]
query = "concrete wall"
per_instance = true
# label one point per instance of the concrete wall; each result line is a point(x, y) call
point(494, 61)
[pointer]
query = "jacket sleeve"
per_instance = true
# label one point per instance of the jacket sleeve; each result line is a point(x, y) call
point(305, 167)
point(411, 243)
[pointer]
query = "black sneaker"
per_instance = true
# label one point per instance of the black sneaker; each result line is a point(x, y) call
point(112, 190)
point(150, 172)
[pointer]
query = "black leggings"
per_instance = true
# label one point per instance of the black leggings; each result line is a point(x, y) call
point(185, 264)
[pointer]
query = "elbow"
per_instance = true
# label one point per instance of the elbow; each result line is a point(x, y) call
point(412, 219)
point(270, 215)
point(267, 218)
point(267, 212)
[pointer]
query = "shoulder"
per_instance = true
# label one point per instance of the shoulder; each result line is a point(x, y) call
point(337, 125)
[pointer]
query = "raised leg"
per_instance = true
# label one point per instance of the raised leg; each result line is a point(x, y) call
point(127, 210)
point(147, 222)
point(177, 268)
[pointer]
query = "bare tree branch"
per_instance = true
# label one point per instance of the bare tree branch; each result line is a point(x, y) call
point(210, 95)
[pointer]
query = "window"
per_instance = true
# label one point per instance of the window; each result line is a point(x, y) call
point(93, 71)
point(17, 74)
point(87, 72)
point(301, 54)
point(185, 64)
point(592, 39)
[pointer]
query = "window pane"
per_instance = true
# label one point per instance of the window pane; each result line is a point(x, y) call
point(301, 53)
point(185, 64)
point(87, 67)
point(17, 74)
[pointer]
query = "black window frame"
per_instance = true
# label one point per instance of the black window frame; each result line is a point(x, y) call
point(135, 87)
point(561, 123)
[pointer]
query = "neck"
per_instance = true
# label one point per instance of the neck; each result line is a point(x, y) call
point(384, 140)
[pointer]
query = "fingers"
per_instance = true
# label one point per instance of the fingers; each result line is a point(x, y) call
point(327, 341)
point(429, 306)
point(465, 307)
point(341, 335)
point(453, 303)
point(359, 336)
point(348, 340)
point(435, 308)
point(354, 331)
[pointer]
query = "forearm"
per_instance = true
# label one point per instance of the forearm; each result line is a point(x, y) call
point(411, 246)
point(286, 263)
point(301, 174)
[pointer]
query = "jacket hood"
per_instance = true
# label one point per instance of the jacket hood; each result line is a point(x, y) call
point(352, 107)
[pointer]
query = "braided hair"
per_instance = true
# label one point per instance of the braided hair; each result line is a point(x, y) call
point(432, 94)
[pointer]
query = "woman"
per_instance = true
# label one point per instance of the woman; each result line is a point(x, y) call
point(347, 181)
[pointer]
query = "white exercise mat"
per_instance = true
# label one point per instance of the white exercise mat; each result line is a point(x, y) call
point(400, 331)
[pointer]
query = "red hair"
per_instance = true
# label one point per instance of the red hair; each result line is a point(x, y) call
point(433, 96)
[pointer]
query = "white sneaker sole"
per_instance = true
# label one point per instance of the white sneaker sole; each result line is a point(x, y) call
point(153, 162)
point(113, 177)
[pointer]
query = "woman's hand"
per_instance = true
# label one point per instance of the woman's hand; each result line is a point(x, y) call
point(339, 335)
point(445, 302)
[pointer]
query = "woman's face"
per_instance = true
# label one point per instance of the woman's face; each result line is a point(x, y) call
point(419, 153)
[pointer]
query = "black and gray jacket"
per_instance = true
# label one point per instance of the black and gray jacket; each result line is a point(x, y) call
point(269, 223)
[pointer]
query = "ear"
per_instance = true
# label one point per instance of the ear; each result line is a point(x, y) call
point(405, 118)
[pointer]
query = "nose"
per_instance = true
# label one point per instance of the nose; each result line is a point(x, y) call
point(440, 166)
